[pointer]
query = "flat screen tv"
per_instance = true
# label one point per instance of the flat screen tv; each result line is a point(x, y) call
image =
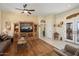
point(26, 27)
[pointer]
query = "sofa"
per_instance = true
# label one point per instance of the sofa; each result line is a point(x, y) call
point(68, 51)
point(5, 42)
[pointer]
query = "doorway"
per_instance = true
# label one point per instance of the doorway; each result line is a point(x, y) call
point(43, 28)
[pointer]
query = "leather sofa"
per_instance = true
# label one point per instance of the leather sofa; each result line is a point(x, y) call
point(68, 51)
point(4, 44)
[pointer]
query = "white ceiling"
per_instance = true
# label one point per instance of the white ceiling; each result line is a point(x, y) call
point(41, 8)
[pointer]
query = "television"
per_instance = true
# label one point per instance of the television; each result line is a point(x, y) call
point(26, 27)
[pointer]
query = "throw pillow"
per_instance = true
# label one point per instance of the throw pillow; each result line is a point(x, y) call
point(77, 52)
point(4, 37)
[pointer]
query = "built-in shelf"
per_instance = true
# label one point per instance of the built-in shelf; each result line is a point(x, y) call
point(19, 33)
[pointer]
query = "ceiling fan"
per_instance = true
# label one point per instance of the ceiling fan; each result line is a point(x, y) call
point(24, 10)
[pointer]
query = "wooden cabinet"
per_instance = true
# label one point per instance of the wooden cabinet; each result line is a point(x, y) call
point(36, 30)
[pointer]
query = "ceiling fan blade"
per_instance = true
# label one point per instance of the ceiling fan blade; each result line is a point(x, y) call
point(19, 9)
point(29, 12)
point(26, 9)
point(22, 12)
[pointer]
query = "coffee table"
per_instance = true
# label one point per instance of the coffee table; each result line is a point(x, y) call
point(21, 43)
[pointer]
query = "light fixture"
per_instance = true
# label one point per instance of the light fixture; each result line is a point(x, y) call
point(25, 11)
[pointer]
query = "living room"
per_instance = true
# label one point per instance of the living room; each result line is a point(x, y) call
point(49, 28)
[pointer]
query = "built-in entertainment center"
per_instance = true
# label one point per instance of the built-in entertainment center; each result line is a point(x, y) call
point(25, 29)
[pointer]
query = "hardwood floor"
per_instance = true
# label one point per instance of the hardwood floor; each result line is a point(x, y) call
point(34, 47)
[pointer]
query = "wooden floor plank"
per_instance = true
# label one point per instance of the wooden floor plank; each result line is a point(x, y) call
point(34, 47)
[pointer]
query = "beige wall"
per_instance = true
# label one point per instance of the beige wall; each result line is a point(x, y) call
point(16, 17)
point(50, 20)
point(0, 21)
point(62, 17)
